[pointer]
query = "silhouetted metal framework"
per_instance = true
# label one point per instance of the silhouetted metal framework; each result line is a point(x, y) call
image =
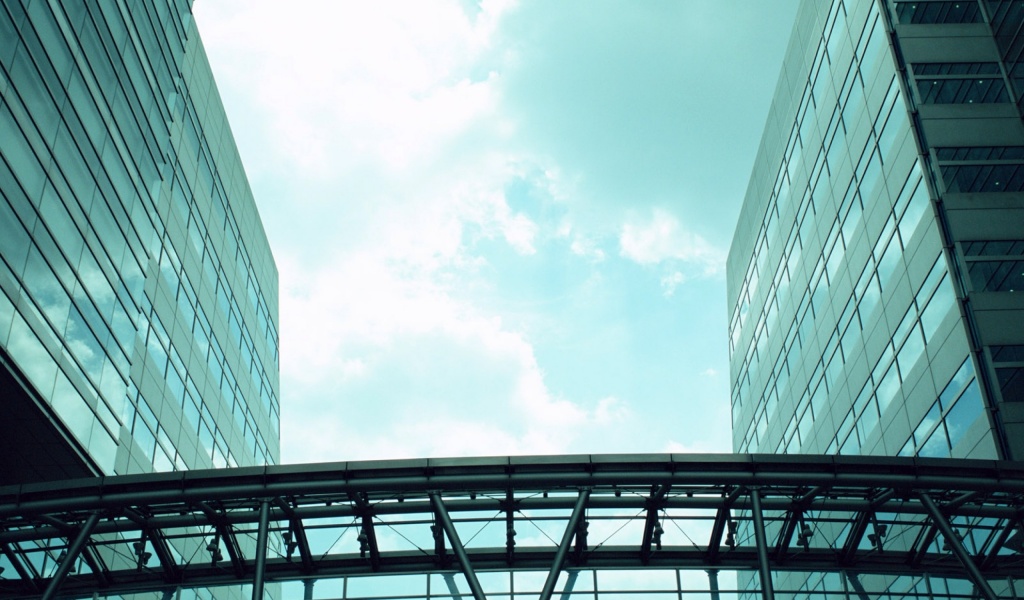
point(764, 514)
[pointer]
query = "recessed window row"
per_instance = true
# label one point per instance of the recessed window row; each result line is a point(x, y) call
point(921, 12)
point(962, 91)
point(983, 178)
point(995, 265)
point(1009, 365)
point(980, 153)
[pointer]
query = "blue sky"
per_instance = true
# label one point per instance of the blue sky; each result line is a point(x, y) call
point(501, 226)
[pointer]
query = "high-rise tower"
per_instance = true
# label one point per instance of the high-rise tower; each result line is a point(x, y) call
point(874, 280)
point(138, 294)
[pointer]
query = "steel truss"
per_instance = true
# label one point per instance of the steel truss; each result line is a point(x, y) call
point(757, 513)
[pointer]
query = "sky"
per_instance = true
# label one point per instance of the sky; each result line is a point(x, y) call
point(500, 227)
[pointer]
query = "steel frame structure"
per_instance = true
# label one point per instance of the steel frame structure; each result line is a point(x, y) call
point(766, 514)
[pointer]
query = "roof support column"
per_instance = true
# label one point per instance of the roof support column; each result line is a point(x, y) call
point(767, 591)
point(563, 547)
point(72, 554)
point(457, 548)
point(957, 546)
point(712, 583)
point(261, 551)
point(858, 587)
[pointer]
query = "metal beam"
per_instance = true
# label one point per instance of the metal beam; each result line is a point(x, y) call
point(298, 532)
point(260, 567)
point(157, 540)
point(226, 535)
point(371, 538)
point(786, 535)
point(367, 535)
point(172, 573)
point(440, 550)
point(73, 551)
point(722, 518)
point(1004, 535)
point(858, 587)
point(570, 584)
point(510, 526)
point(563, 546)
point(457, 548)
point(860, 525)
point(767, 591)
point(653, 504)
point(920, 549)
point(811, 494)
point(96, 565)
point(957, 546)
point(986, 498)
point(23, 573)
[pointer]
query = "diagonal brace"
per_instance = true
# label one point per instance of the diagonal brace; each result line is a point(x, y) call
point(298, 535)
point(163, 554)
point(224, 530)
point(563, 548)
point(20, 567)
point(920, 549)
point(957, 546)
point(788, 530)
point(860, 525)
point(457, 547)
point(73, 551)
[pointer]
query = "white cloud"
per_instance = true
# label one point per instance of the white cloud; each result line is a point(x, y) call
point(699, 447)
point(582, 246)
point(661, 238)
point(364, 320)
point(670, 282)
point(384, 84)
point(611, 410)
point(381, 141)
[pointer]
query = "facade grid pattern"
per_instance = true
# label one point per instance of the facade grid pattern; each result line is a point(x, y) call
point(858, 330)
point(138, 294)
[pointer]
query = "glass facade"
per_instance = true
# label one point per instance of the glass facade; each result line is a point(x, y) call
point(873, 275)
point(138, 293)
point(872, 272)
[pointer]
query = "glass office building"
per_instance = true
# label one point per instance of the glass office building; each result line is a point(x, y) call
point(872, 277)
point(138, 293)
